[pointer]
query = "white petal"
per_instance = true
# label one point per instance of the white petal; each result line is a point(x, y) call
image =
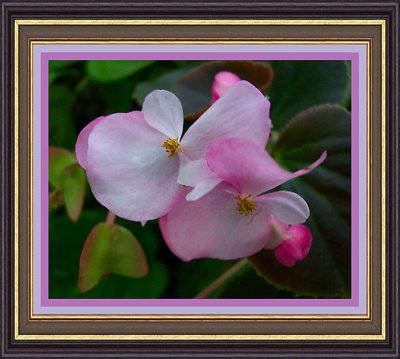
point(193, 172)
point(163, 111)
point(128, 170)
point(288, 207)
point(203, 188)
point(197, 174)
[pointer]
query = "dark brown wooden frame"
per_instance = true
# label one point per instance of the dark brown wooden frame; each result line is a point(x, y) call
point(10, 347)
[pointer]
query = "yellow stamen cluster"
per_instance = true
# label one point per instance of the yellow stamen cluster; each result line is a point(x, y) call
point(245, 205)
point(172, 146)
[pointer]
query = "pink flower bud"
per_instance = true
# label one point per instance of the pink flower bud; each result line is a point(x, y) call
point(222, 82)
point(296, 247)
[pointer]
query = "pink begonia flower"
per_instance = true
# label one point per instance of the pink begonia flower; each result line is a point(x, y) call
point(291, 244)
point(133, 159)
point(223, 81)
point(233, 220)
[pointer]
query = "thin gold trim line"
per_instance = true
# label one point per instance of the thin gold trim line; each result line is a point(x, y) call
point(190, 41)
point(16, 179)
point(227, 41)
point(198, 22)
point(214, 337)
point(383, 179)
point(31, 89)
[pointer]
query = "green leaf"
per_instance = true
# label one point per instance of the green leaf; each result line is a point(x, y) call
point(65, 245)
point(68, 180)
point(298, 85)
point(326, 272)
point(110, 249)
point(127, 256)
point(59, 160)
point(94, 258)
point(108, 71)
point(73, 189)
point(56, 199)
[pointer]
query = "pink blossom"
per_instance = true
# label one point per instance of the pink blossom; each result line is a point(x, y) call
point(291, 244)
point(133, 159)
point(223, 81)
point(233, 218)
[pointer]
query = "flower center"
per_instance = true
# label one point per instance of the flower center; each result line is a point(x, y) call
point(245, 205)
point(172, 146)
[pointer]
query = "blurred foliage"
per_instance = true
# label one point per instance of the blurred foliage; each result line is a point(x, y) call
point(193, 85)
point(80, 91)
point(327, 192)
point(67, 182)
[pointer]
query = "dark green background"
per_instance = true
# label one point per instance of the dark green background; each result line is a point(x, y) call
point(80, 91)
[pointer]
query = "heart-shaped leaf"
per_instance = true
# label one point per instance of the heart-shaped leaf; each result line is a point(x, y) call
point(65, 246)
point(110, 249)
point(127, 257)
point(326, 271)
point(93, 263)
point(73, 189)
point(299, 85)
point(108, 71)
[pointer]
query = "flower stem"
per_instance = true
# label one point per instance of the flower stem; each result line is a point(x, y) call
point(110, 218)
point(222, 279)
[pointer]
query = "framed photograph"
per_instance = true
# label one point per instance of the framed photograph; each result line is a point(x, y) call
point(200, 182)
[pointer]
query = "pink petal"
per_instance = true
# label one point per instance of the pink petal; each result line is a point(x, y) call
point(223, 81)
point(211, 227)
point(296, 248)
point(288, 207)
point(82, 141)
point(249, 168)
point(241, 112)
point(163, 111)
point(128, 169)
